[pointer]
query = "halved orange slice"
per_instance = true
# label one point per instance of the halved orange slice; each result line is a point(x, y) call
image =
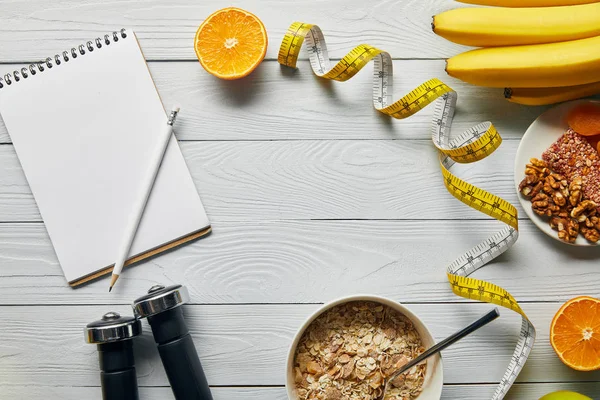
point(231, 43)
point(575, 333)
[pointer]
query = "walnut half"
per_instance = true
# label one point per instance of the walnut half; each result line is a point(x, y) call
point(542, 204)
point(591, 234)
point(535, 174)
point(568, 228)
point(579, 212)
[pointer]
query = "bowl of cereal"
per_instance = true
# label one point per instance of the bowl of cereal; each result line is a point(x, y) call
point(347, 348)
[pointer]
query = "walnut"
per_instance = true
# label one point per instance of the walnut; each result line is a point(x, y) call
point(592, 222)
point(591, 227)
point(572, 228)
point(525, 187)
point(541, 198)
point(532, 179)
point(556, 186)
point(547, 188)
point(535, 175)
point(555, 181)
point(537, 167)
point(538, 163)
point(558, 198)
point(575, 191)
point(591, 234)
point(568, 228)
point(556, 221)
point(581, 208)
point(542, 204)
point(531, 171)
point(536, 189)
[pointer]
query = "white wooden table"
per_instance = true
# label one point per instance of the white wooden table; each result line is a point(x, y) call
point(312, 194)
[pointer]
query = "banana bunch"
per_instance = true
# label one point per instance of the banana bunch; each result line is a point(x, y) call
point(540, 51)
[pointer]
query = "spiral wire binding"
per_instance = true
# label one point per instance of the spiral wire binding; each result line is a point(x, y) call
point(58, 59)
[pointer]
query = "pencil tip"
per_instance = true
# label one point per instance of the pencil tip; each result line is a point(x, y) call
point(110, 289)
point(113, 280)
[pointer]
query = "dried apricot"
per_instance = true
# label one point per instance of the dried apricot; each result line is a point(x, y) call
point(585, 119)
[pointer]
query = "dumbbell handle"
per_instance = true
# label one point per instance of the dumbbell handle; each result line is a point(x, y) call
point(117, 367)
point(119, 385)
point(184, 370)
point(179, 356)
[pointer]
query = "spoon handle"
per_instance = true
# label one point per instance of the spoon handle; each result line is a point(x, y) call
point(484, 320)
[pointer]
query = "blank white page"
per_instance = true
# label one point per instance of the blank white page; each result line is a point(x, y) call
point(83, 131)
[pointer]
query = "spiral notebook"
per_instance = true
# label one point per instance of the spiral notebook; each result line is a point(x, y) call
point(83, 123)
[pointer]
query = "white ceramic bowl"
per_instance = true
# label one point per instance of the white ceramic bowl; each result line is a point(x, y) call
point(434, 376)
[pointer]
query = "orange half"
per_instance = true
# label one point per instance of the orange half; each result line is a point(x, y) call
point(575, 333)
point(231, 43)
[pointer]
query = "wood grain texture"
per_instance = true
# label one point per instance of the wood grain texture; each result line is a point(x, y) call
point(256, 354)
point(33, 30)
point(308, 262)
point(273, 180)
point(277, 103)
point(313, 195)
point(450, 392)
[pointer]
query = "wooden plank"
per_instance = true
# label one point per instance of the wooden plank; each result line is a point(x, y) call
point(32, 30)
point(37, 348)
point(451, 392)
point(276, 103)
point(308, 262)
point(381, 179)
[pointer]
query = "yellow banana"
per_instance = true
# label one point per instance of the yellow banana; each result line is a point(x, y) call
point(538, 65)
point(528, 3)
point(543, 96)
point(486, 27)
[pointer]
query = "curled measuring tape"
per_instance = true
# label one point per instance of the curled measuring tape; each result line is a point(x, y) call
point(473, 145)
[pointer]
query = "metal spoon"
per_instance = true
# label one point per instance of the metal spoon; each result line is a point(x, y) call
point(450, 340)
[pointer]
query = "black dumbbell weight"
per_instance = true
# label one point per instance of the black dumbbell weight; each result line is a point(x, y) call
point(179, 357)
point(112, 335)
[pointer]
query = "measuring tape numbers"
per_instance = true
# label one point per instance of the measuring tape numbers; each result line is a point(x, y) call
point(471, 146)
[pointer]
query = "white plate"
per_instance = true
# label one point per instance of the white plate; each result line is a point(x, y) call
point(541, 134)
